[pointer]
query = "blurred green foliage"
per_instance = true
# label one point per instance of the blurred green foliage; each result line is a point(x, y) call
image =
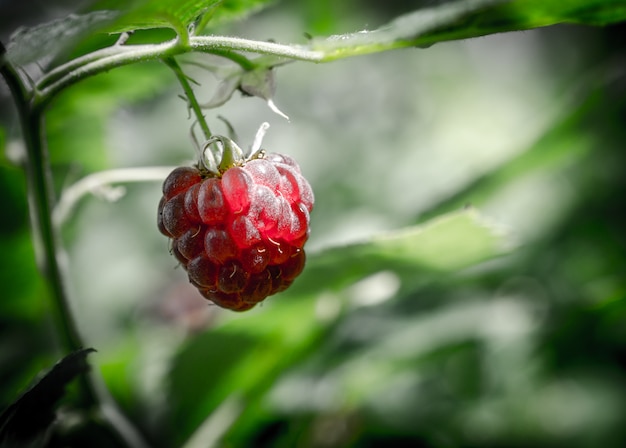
point(409, 340)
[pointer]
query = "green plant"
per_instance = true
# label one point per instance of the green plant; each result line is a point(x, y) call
point(44, 65)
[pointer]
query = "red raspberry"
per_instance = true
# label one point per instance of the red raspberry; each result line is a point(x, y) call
point(239, 233)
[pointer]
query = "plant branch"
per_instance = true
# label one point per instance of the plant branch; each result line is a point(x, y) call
point(40, 201)
point(63, 70)
point(100, 183)
point(237, 58)
point(190, 94)
point(119, 55)
point(93, 397)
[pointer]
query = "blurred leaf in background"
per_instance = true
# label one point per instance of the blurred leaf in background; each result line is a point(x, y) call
point(436, 335)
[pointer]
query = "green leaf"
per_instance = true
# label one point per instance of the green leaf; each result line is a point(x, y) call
point(445, 244)
point(25, 421)
point(526, 14)
point(404, 31)
point(146, 14)
point(230, 10)
point(179, 15)
point(469, 18)
point(42, 43)
point(240, 358)
point(246, 353)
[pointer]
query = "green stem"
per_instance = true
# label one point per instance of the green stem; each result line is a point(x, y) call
point(47, 241)
point(190, 94)
point(40, 191)
point(237, 58)
point(119, 55)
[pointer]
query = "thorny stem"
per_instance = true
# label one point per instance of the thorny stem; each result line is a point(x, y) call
point(190, 94)
point(50, 254)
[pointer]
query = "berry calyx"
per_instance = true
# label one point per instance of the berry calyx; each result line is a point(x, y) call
point(239, 231)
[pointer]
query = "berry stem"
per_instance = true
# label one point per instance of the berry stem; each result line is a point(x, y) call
point(92, 394)
point(189, 93)
point(239, 59)
point(231, 154)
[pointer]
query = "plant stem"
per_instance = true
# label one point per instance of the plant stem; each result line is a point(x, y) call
point(40, 191)
point(190, 94)
point(49, 253)
point(239, 59)
point(101, 185)
point(119, 55)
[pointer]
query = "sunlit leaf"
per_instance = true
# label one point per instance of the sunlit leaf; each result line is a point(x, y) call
point(524, 14)
point(229, 10)
point(145, 14)
point(468, 18)
point(405, 31)
point(444, 244)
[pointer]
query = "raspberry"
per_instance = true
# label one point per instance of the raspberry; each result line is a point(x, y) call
point(239, 231)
